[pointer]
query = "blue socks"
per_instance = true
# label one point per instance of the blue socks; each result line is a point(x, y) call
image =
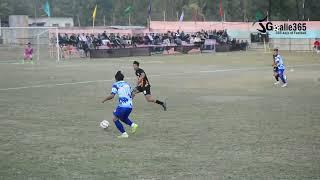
point(119, 126)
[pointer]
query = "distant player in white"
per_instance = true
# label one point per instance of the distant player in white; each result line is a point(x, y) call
point(124, 108)
point(281, 68)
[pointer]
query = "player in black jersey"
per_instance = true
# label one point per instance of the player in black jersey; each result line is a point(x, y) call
point(143, 85)
point(275, 70)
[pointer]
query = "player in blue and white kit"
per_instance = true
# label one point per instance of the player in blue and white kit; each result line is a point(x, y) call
point(122, 112)
point(281, 68)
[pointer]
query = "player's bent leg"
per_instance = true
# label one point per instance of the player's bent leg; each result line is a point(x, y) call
point(276, 76)
point(127, 121)
point(118, 124)
point(150, 98)
point(282, 77)
point(31, 60)
point(130, 123)
point(125, 118)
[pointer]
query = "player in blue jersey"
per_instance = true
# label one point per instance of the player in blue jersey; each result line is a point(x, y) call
point(124, 108)
point(280, 67)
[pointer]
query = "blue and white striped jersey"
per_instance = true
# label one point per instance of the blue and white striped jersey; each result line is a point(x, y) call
point(123, 90)
point(279, 62)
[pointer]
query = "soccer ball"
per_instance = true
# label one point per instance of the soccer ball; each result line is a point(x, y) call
point(104, 124)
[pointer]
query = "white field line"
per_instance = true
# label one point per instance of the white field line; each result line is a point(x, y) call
point(158, 75)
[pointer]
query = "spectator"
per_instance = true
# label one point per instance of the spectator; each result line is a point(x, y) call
point(73, 40)
point(104, 35)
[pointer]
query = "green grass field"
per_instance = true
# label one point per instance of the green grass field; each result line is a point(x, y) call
point(225, 119)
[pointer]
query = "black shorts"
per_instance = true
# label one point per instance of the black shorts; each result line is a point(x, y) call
point(145, 90)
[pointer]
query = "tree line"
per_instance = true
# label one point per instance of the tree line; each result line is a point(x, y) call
point(117, 12)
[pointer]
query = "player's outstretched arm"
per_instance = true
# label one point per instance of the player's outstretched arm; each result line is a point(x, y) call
point(133, 94)
point(111, 96)
point(134, 91)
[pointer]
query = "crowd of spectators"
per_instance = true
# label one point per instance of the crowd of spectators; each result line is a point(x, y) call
point(91, 41)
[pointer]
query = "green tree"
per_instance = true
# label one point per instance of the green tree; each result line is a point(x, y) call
point(112, 10)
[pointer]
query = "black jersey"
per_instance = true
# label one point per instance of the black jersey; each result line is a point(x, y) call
point(275, 68)
point(145, 81)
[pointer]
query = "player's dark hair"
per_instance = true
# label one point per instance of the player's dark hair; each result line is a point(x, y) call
point(276, 49)
point(136, 63)
point(119, 76)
